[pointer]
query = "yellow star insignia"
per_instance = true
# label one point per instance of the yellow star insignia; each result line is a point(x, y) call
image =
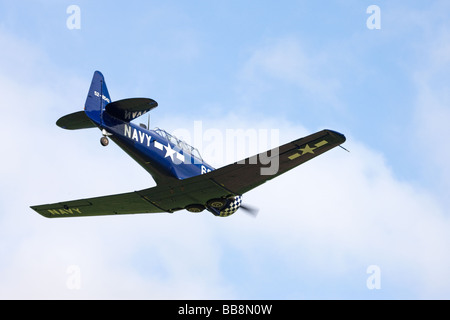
point(307, 149)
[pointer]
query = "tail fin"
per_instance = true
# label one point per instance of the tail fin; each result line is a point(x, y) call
point(98, 97)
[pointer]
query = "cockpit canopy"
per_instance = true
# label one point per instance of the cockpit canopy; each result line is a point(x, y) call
point(179, 143)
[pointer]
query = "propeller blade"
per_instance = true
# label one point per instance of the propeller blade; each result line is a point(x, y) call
point(250, 209)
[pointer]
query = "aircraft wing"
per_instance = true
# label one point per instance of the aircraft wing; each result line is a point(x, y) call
point(125, 203)
point(242, 176)
point(249, 173)
point(231, 180)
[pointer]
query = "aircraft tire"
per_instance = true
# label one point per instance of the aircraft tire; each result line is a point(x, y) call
point(217, 203)
point(195, 208)
point(104, 141)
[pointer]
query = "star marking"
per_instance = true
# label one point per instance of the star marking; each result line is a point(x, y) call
point(169, 152)
point(307, 149)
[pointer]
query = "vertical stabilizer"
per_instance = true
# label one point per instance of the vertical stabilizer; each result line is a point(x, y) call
point(98, 97)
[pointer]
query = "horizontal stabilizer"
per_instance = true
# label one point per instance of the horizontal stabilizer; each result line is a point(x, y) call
point(77, 120)
point(130, 109)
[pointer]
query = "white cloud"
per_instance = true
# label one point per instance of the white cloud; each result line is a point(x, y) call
point(286, 60)
point(343, 212)
point(339, 213)
point(319, 227)
point(430, 74)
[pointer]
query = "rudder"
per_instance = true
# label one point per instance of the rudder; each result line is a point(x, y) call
point(98, 97)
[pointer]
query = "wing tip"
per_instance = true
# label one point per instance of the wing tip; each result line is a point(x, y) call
point(337, 135)
point(41, 211)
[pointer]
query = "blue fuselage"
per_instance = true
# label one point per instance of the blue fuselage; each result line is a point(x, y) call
point(162, 158)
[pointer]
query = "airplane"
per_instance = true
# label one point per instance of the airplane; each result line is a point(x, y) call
point(184, 181)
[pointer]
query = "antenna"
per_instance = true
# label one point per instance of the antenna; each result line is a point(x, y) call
point(343, 148)
point(148, 122)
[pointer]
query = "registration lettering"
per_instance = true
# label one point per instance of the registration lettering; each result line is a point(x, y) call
point(205, 170)
point(97, 94)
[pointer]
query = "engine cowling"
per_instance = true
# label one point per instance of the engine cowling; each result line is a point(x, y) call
point(230, 207)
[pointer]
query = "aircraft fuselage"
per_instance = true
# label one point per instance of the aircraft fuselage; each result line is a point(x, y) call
point(154, 152)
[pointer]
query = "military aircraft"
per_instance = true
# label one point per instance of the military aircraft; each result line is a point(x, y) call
point(183, 179)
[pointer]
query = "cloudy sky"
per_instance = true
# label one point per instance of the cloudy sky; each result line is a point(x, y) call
point(370, 224)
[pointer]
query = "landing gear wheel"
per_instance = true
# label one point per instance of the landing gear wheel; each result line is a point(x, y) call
point(196, 208)
point(217, 203)
point(104, 141)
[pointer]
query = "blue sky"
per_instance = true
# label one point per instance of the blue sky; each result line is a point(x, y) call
point(295, 67)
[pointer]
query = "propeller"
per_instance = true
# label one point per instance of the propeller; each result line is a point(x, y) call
point(253, 211)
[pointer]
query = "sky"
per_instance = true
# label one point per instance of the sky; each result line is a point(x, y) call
point(371, 223)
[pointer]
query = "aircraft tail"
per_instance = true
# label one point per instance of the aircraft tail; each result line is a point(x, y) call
point(98, 97)
point(98, 101)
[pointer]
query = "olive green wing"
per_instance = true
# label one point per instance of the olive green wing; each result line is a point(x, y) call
point(231, 180)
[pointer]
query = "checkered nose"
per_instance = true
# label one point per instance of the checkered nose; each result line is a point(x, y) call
point(231, 207)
